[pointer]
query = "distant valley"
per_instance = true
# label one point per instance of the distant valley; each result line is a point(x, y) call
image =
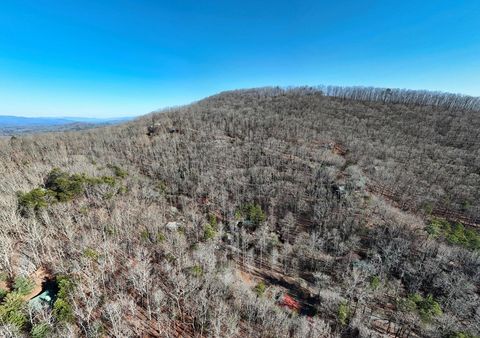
point(13, 125)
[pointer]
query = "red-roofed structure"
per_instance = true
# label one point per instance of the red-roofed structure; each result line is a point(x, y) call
point(290, 302)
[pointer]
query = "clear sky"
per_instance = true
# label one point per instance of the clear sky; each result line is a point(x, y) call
point(108, 58)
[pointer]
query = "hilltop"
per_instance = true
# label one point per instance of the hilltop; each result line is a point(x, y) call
point(301, 212)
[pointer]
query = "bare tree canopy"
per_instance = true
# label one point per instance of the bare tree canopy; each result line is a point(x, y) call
point(272, 212)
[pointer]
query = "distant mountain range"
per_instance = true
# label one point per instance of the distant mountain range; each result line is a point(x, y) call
point(14, 121)
point(10, 125)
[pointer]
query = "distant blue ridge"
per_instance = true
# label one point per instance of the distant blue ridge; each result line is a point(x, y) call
point(19, 121)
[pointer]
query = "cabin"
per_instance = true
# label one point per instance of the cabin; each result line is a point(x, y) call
point(154, 129)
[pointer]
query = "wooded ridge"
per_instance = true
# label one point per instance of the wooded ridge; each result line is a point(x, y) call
point(270, 212)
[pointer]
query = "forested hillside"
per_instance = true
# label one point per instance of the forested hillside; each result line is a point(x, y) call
point(302, 212)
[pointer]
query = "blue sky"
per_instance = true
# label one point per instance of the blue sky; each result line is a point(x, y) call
point(120, 58)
